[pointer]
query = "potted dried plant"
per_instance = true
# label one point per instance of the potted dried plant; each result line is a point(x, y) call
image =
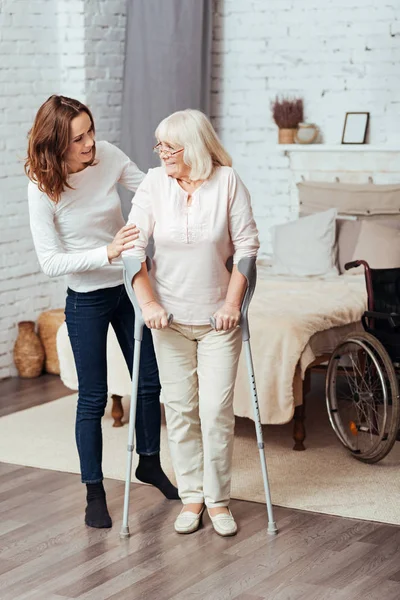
point(287, 114)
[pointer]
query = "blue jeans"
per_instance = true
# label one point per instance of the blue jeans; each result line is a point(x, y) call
point(88, 316)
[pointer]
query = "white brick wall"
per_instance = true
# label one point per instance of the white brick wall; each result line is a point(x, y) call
point(104, 55)
point(29, 73)
point(339, 55)
point(354, 166)
point(70, 47)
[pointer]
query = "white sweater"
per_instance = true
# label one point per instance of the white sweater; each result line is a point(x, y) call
point(192, 244)
point(71, 237)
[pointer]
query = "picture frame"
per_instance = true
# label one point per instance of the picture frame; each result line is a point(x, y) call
point(355, 128)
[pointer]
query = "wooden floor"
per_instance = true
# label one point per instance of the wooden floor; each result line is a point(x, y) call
point(47, 553)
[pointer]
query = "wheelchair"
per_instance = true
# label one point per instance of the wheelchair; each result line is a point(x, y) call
point(362, 380)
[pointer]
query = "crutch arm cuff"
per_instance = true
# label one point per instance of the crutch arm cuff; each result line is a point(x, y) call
point(247, 267)
point(132, 266)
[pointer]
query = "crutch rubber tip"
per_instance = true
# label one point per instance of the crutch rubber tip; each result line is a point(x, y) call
point(124, 533)
point(272, 528)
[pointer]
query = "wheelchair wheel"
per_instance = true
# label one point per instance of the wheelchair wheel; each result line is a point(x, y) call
point(362, 396)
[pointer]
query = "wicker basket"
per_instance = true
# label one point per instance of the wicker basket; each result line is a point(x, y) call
point(48, 325)
point(28, 351)
point(286, 136)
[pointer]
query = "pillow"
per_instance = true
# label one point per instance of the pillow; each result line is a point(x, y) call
point(346, 241)
point(306, 247)
point(347, 236)
point(378, 245)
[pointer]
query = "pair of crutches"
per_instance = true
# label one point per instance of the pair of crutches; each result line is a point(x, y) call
point(247, 267)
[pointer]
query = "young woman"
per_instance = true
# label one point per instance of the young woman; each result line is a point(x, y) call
point(199, 213)
point(78, 231)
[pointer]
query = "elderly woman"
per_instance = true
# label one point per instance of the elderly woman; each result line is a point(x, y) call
point(199, 213)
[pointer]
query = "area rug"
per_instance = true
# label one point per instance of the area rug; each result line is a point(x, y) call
point(324, 478)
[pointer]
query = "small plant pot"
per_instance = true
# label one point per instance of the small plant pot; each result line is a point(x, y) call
point(286, 136)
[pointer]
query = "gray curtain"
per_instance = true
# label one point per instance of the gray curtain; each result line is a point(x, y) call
point(167, 68)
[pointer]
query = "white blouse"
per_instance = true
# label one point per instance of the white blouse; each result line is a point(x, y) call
point(192, 243)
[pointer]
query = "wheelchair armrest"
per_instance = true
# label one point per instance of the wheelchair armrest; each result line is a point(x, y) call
point(393, 318)
point(352, 265)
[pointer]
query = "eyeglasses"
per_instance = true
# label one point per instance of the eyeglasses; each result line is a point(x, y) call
point(158, 149)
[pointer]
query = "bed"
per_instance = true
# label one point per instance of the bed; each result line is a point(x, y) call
point(367, 226)
point(295, 322)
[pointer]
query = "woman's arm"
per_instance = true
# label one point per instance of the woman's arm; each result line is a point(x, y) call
point(142, 214)
point(153, 313)
point(242, 226)
point(236, 289)
point(228, 316)
point(53, 261)
point(130, 175)
point(244, 236)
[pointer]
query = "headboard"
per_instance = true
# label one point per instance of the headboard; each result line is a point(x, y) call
point(369, 201)
point(362, 200)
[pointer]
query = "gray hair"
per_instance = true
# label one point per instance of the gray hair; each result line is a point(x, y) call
point(191, 130)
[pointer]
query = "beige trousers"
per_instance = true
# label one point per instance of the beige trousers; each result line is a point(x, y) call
point(198, 369)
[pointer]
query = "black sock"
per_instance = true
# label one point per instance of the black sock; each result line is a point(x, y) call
point(150, 471)
point(96, 514)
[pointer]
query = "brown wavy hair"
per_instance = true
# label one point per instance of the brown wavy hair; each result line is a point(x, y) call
point(48, 143)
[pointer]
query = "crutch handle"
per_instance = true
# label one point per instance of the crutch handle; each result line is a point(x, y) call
point(213, 322)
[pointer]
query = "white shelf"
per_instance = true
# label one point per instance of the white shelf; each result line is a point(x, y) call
point(335, 148)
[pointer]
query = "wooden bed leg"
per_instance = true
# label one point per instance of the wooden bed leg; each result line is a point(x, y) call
point(299, 429)
point(117, 411)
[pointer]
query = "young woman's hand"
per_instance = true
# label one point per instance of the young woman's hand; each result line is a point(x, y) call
point(122, 241)
point(227, 317)
point(154, 316)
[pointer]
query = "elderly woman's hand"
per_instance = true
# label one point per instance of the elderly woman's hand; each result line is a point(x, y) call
point(227, 317)
point(154, 316)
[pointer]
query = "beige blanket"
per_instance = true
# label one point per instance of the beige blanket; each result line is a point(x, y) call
point(283, 316)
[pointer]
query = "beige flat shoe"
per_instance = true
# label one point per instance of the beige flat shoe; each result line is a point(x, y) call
point(224, 525)
point(187, 521)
